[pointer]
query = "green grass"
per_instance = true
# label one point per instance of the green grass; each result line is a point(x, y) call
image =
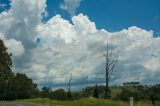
point(115, 91)
point(82, 102)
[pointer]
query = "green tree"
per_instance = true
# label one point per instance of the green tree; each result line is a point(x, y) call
point(154, 93)
point(23, 86)
point(46, 92)
point(6, 73)
point(5, 60)
point(12, 86)
point(58, 94)
point(96, 92)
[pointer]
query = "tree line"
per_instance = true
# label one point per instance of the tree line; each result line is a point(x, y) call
point(122, 93)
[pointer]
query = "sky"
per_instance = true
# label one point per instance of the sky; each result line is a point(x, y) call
point(52, 39)
point(115, 15)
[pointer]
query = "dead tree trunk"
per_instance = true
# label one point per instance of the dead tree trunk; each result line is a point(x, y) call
point(111, 61)
point(69, 87)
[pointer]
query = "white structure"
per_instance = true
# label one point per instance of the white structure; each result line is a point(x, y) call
point(131, 102)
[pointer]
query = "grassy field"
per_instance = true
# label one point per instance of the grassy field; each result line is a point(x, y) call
point(83, 102)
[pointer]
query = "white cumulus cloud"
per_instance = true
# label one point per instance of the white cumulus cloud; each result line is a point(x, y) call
point(70, 6)
point(15, 47)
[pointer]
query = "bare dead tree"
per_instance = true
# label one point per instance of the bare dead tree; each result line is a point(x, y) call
point(111, 58)
point(69, 87)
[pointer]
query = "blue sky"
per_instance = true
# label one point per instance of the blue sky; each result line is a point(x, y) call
point(115, 15)
point(50, 39)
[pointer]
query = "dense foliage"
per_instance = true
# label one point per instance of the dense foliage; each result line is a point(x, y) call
point(96, 92)
point(12, 86)
point(122, 93)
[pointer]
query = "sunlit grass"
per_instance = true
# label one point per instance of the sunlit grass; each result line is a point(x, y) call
point(81, 102)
